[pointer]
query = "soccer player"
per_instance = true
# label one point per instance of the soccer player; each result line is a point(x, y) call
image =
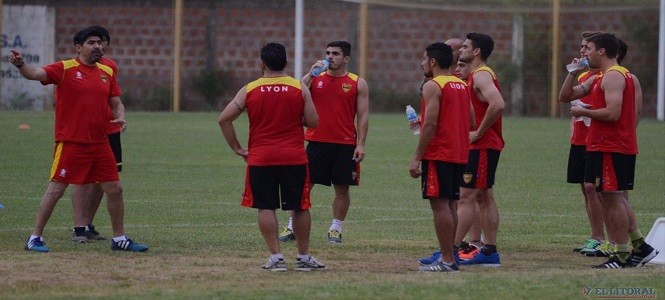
point(84, 213)
point(467, 250)
point(337, 146)
point(277, 172)
point(443, 147)
point(577, 154)
point(612, 147)
point(486, 143)
point(85, 90)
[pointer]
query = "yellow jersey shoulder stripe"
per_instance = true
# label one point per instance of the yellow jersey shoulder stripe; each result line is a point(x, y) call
point(442, 80)
point(485, 68)
point(284, 80)
point(105, 68)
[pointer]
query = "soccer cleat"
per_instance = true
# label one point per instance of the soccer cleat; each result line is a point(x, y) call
point(469, 252)
point(492, 260)
point(334, 237)
point(602, 250)
point(590, 246)
point(80, 239)
point(578, 249)
point(93, 234)
point(36, 244)
point(612, 263)
point(310, 264)
point(440, 266)
point(430, 260)
point(287, 236)
point(643, 255)
point(275, 266)
point(128, 245)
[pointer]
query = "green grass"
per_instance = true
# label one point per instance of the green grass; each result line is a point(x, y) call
point(182, 191)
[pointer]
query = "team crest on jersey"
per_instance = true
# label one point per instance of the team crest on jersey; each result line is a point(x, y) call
point(104, 78)
point(319, 84)
point(63, 172)
point(79, 75)
point(467, 177)
point(346, 87)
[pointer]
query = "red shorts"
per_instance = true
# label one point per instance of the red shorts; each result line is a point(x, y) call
point(81, 163)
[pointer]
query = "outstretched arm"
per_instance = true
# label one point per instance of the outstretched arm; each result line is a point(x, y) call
point(26, 71)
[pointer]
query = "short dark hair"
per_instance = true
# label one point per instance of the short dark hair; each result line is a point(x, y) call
point(83, 35)
point(482, 41)
point(346, 47)
point(587, 34)
point(623, 50)
point(273, 55)
point(442, 53)
point(606, 41)
point(104, 32)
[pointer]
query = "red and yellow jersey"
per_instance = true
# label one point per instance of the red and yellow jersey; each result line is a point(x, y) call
point(111, 127)
point(451, 140)
point(82, 93)
point(335, 99)
point(275, 109)
point(580, 130)
point(492, 139)
point(618, 136)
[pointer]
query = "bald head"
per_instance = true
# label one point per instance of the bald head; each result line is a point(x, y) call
point(456, 44)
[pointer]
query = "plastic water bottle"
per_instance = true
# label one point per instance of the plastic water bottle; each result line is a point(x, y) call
point(579, 65)
point(586, 120)
point(318, 70)
point(412, 117)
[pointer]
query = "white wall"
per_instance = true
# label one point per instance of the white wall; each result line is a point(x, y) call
point(29, 30)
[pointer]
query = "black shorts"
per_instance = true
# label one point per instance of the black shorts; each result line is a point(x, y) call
point(576, 163)
point(331, 163)
point(272, 187)
point(116, 147)
point(610, 172)
point(481, 168)
point(441, 179)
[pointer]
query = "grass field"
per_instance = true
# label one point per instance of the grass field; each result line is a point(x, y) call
point(182, 192)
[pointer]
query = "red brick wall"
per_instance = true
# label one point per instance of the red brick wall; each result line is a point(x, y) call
point(142, 41)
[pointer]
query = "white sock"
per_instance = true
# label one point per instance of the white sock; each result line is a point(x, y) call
point(32, 237)
point(276, 257)
point(303, 257)
point(290, 226)
point(336, 225)
point(119, 239)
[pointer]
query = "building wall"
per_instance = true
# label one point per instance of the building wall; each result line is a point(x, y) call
point(226, 35)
